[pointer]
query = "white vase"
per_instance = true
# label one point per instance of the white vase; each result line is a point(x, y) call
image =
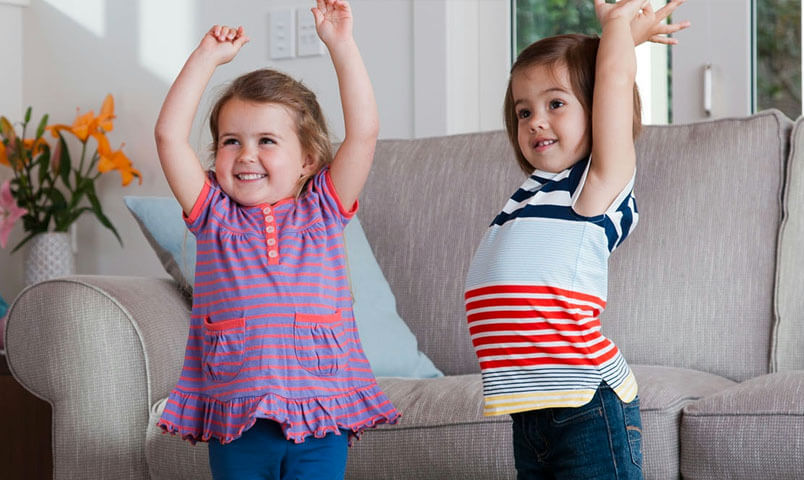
point(49, 255)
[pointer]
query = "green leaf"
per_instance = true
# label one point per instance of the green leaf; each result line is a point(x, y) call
point(42, 124)
point(65, 164)
point(58, 208)
point(28, 114)
point(43, 165)
point(96, 207)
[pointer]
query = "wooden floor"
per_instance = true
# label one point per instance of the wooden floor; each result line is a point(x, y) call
point(25, 440)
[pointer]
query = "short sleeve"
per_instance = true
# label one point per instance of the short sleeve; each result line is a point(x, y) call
point(622, 216)
point(332, 210)
point(211, 195)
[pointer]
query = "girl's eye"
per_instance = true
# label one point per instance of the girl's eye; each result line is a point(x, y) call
point(229, 141)
point(556, 104)
point(266, 141)
point(523, 114)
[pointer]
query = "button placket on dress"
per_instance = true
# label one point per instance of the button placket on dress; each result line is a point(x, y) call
point(272, 247)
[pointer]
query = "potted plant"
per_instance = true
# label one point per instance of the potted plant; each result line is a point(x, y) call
point(51, 188)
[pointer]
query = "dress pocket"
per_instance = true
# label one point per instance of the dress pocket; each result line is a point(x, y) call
point(319, 342)
point(224, 344)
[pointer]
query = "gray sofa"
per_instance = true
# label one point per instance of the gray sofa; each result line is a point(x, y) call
point(706, 300)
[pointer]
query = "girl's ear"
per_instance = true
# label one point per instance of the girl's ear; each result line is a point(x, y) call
point(309, 164)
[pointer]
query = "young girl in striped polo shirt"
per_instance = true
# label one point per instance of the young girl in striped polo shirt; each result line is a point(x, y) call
point(537, 283)
point(274, 377)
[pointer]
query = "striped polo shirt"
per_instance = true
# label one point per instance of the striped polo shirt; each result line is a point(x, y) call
point(534, 294)
point(272, 333)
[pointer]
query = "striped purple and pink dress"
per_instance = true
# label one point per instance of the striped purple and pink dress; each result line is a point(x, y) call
point(272, 333)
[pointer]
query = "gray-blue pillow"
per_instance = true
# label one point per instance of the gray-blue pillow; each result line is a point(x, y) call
point(390, 346)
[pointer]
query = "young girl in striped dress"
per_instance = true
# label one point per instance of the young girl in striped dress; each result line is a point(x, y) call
point(274, 376)
point(537, 283)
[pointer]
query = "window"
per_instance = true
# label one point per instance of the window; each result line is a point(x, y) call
point(778, 55)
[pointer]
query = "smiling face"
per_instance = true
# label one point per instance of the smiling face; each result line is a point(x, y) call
point(552, 125)
point(259, 158)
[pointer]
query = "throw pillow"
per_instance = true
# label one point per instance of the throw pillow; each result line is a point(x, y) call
point(390, 346)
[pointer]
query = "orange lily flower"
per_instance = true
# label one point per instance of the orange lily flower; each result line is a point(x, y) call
point(36, 147)
point(88, 124)
point(107, 114)
point(3, 155)
point(115, 160)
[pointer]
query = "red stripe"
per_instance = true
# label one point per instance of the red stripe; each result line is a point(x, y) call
point(532, 339)
point(503, 314)
point(537, 289)
point(531, 326)
point(552, 350)
point(527, 302)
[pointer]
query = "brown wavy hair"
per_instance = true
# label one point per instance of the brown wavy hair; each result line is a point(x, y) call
point(270, 86)
point(578, 53)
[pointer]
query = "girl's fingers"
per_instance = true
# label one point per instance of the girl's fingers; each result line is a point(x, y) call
point(666, 10)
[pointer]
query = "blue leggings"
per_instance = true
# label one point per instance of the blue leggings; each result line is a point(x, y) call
point(263, 453)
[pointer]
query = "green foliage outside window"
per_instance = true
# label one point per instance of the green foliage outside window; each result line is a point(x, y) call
point(778, 69)
point(537, 19)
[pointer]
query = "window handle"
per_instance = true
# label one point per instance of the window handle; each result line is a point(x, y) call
point(707, 89)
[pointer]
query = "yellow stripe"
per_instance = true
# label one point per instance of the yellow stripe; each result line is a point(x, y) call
point(627, 391)
point(521, 402)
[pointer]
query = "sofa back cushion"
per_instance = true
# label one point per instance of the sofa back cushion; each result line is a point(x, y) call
point(692, 287)
point(788, 339)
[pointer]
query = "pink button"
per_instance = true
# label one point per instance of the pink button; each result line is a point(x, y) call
point(266, 210)
point(269, 219)
point(269, 229)
point(271, 241)
point(272, 254)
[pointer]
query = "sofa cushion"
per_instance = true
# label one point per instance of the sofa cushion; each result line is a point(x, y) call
point(749, 431)
point(693, 286)
point(391, 348)
point(788, 338)
point(442, 434)
point(663, 393)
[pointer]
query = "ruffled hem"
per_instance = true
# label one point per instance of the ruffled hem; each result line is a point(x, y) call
point(201, 418)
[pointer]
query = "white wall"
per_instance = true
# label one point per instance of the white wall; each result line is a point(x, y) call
point(73, 52)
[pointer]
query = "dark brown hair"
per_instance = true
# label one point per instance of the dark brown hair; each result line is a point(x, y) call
point(578, 53)
point(270, 86)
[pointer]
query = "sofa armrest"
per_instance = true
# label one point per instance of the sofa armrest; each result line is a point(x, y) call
point(101, 350)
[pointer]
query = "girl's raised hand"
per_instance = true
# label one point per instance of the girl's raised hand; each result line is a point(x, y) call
point(623, 9)
point(333, 20)
point(221, 43)
point(650, 26)
point(646, 25)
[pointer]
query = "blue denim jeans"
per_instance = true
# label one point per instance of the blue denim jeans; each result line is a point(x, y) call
point(264, 453)
point(599, 440)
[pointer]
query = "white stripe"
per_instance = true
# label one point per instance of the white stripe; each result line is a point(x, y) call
point(492, 358)
point(544, 331)
point(530, 320)
point(529, 296)
point(542, 344)
point(523, 308)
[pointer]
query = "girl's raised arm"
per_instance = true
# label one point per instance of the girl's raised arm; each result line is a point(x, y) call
point(352, 162)
point(613, 155)
point(179, 162)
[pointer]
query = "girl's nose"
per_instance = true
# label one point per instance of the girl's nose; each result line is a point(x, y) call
point(247, 155)
point(537, 122)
